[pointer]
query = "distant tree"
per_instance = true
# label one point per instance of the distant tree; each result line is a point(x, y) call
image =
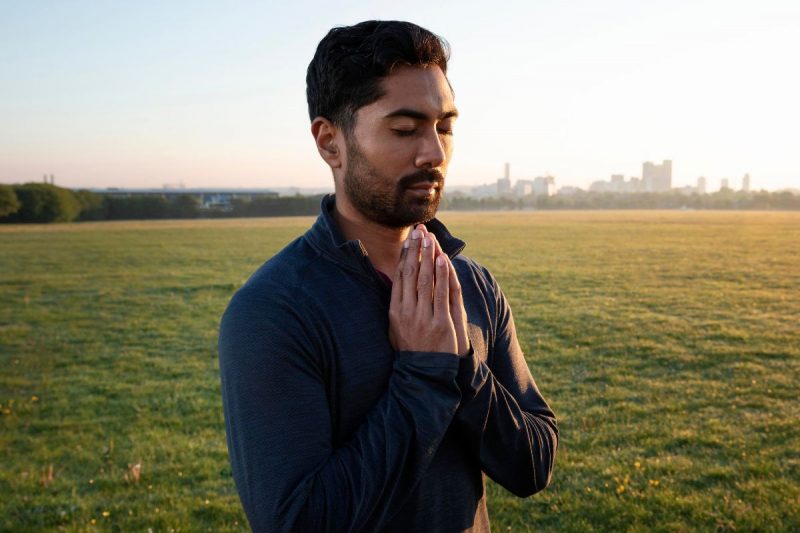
point(274, 206)
point(185, 206)
point(9, 203)
point(43, 202)
point(136, 207)
point(92, 206)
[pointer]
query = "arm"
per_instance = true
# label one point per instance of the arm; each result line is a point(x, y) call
point(288, 474)
point(503, 416)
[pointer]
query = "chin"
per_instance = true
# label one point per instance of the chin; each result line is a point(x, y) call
point(426, 213)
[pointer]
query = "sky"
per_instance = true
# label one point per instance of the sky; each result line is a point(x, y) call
point(212, 94)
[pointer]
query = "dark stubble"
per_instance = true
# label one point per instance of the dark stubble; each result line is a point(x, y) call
point(384, 202)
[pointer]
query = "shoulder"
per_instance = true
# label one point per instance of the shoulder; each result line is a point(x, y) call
point(268, 327)
point(274, 298)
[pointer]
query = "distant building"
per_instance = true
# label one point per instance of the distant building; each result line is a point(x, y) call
point(617, 184)
point(746, 183)
point(541, 186)
point(504, 183)
point(657, 178)
point(568, 190)
point(724, 185)
point(598, 186)
point(484, 191)
point(544, 186)
point(523, 188)
point(701, 185)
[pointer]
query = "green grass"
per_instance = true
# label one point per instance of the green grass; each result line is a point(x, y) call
point(668, 344)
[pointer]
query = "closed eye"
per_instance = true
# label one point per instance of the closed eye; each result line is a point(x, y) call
point(404, 133)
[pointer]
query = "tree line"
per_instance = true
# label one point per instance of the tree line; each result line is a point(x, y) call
point(43, 202)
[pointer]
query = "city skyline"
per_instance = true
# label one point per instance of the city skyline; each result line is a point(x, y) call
point(105, 95)
point(656, 178)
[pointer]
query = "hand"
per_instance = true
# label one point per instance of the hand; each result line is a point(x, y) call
point(457, 311)
point(419, 312)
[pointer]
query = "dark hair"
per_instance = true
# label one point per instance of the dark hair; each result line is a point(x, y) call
point(346, 71)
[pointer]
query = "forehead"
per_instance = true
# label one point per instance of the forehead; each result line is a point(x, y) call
point(422, 89)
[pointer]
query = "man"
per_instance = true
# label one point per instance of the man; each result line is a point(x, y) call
point(370, 372)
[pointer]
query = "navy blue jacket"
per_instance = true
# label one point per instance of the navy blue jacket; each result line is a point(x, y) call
point(330, 429)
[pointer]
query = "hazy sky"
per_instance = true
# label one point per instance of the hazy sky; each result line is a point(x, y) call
point(140, 94)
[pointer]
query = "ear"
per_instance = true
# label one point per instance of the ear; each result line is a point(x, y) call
point(330, 141)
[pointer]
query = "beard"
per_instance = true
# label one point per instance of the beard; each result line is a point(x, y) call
point(385, 202)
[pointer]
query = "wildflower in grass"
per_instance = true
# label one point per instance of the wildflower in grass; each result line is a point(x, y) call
point(34, 399)
point(47, 476)
point(638, 465)
point(654, 483)
point(133, 473)
point(620, 489)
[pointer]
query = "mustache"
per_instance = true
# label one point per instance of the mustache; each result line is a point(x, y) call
point(423, 175)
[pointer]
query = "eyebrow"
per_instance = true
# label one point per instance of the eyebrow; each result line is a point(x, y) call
point(419, 115)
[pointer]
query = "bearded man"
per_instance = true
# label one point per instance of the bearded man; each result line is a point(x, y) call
point(371, 373)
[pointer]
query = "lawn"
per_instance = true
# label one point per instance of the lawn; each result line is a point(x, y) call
point(668, 343)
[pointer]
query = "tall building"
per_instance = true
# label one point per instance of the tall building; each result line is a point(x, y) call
point(724, 185)
point(657, 178)
point(504, 183)
point(701, 185)
point(544, 186)
point(746, 183)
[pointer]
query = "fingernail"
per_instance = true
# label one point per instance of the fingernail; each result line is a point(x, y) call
point(416, 234)
point(440, 261)
point(406, 243)
point(426, 242)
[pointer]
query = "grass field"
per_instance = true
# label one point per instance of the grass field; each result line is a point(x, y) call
point(668, 343)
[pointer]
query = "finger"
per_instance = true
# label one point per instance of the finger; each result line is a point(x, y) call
point(425, 277)
point(457, 311)
point(410, 267)
point(441, 297)
point(455, 285)
point(397, 282)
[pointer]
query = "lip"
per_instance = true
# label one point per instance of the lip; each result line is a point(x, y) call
point(424, 186)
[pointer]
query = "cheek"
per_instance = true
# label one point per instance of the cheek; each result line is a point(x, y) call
point(388, 154)
point(448, 147)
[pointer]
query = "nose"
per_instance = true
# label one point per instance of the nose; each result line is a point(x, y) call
point(432, 151)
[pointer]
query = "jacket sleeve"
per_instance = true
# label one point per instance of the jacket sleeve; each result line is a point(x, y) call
point(278, 422)
point(503, 416)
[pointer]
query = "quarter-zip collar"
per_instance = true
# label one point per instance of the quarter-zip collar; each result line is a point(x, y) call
point(325, 236)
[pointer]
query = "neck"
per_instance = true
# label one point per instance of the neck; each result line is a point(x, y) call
point(383, 244)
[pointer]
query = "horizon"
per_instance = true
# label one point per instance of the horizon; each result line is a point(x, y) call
point(142, 96)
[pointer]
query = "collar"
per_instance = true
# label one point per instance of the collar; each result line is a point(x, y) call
point(325, 236)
